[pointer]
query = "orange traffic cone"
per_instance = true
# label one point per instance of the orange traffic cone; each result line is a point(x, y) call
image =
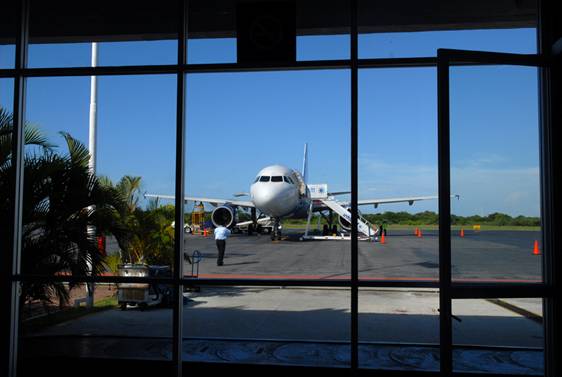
point(536, 250)
point(382, 238)
point(419, 233)
point(462, 232)
point(205, 232)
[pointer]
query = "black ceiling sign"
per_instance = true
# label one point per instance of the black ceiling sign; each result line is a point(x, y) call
point(266, 32)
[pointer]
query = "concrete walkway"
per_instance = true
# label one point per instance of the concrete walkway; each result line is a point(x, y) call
point(306, 325)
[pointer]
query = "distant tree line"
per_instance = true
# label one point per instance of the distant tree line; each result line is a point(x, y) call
point(432, 218)
point(421, 218)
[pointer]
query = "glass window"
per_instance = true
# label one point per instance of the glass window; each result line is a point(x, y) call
point(398, 159)
point(498, 335)
point(61, 33)
point(406, 29)
point(327, 37)
point(117, 326)
point(268, 325)
point(495, 169)
point(207, 44)
point(63, 122)
point(257, 179)
point(399, 328)
point(8, 34)
point(311, 102)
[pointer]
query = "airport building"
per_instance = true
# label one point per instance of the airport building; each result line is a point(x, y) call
point(160, 217)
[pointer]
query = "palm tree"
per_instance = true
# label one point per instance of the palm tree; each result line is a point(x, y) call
point(62, 202)
point(151, 237)
point(129, 187)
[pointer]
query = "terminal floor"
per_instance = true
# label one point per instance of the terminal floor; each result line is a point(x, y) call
point(398, 328)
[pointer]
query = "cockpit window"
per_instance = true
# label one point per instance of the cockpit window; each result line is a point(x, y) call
point(288, 180)
point(264, 178)
point(277, 178)
point(257, 179)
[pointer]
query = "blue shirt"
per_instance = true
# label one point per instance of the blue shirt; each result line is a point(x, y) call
point(221, 233)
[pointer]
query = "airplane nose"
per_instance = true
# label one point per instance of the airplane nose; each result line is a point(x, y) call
point(273, 200)
point(264, 198)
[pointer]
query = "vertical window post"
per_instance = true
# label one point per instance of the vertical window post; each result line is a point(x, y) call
point(179, 190)
point(354, 209)
point(445, 310)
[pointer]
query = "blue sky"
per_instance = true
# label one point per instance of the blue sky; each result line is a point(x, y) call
point(238, 123)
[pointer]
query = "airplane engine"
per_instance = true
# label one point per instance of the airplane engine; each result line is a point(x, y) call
point(345, 222)
point(224, 215)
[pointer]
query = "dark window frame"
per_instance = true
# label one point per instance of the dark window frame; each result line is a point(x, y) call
point(448, 290)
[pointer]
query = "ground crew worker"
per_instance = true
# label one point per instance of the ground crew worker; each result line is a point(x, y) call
point(221, 234)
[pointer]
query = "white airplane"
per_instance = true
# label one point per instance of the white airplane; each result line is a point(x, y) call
point(279, 192)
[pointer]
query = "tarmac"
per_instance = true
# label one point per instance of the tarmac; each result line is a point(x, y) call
point(398, 328)
point(503, 256)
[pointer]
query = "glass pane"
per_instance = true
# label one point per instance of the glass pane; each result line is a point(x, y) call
point(8, 34)
point(499, 336)
point(402, 29)
point(61, 33)
point(398, 174)
point(56, 326)
point(77, 222)
point(211, 32)
point(7, 95)
point(268, 325)
point(244, 125)
point(399, 329)
point(319, 35)
point(495, 171)
point(6, 180)
point(323, 30)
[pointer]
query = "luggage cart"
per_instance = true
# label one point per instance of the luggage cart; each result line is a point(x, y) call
point(142, 295)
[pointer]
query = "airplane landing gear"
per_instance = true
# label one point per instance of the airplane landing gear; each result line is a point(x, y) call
point(276, 231)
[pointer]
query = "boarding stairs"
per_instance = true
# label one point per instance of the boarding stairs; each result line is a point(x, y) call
point(363, 225)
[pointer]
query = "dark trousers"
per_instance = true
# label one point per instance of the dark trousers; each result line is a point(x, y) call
point(221, 245)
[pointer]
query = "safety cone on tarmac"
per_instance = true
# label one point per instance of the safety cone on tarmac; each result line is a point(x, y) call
point(382, 238)
point(417, 232)
point(462, 232)
point(205, 232)
point(536, 250)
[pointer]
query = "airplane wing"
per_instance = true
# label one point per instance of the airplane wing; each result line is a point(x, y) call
point(215, 202)
point(409, 200)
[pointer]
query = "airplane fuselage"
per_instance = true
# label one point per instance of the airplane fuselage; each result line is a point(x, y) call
point(280, 192)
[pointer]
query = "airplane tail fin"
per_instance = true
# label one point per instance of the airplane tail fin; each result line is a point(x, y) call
point(304, 171)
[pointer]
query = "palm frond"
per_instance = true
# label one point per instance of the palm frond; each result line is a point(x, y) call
point(78, 152)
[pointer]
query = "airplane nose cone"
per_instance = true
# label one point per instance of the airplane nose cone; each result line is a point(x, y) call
point(273, 200)
point(263, 198)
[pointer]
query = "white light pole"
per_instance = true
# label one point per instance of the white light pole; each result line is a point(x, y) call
point(93, 111)
point(92, 141)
